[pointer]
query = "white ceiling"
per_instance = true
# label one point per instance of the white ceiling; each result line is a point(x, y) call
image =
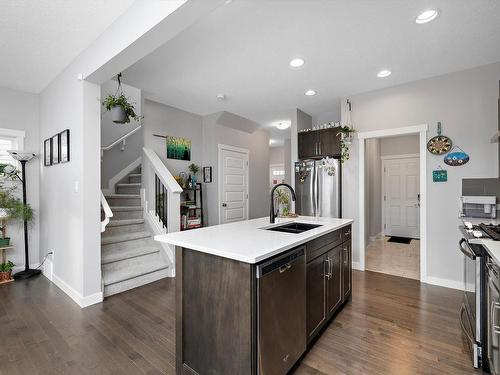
point(39, 38)
point(242, 50)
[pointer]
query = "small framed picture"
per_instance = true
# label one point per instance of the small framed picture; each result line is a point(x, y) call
point(55, 149)
point(207, 174)
point(64, 146)
point(47, 152)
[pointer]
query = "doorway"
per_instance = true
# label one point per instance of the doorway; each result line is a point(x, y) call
point(233, 184)
point(393, 240)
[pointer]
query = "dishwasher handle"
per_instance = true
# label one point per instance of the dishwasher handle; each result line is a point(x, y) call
point(281, 263)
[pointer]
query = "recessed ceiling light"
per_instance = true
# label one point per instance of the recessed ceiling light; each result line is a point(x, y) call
point(426, 16)
point(310, 92)
point(282, 125)
point(384, 73)
point(297, 62)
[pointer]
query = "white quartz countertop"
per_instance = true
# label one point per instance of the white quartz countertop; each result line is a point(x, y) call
point(247, 241)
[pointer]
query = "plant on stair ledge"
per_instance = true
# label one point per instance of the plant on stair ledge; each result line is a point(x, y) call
point(120, 107)
point(194, 169)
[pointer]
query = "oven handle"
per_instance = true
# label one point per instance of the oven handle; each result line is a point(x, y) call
point(467, 333)
point(467, 251)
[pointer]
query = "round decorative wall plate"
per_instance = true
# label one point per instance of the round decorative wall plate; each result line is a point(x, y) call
point(439, 145)
point(457, 157)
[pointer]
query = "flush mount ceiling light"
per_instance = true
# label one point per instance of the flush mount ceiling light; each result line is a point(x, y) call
point(310, 92)
point(297, 62)
point(271, 142)
point(221, 97)
point(384, 73)
point(427, 16)
point(282, 125)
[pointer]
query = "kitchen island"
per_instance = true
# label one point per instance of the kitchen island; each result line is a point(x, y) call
point(252, 296)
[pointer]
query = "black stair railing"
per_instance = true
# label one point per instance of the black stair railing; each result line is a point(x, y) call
point(161, 198)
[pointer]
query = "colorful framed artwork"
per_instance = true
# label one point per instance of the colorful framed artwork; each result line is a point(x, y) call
point(55, 149)
point(440, 175)
point(207, 174)
point(64, 146)
point(47, 152)
point(178, 148)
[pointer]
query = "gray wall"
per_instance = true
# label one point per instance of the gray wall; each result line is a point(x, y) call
point(258, 145)
point(402, 145)
point(373, 189)
point(19, 111)
point(162, 119)
point(466, 104)
point(277, 155)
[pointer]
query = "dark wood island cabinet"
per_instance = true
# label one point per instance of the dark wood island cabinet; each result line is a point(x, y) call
point(217, 306)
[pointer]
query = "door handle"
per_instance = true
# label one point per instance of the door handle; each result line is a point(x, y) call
point(285, 267)
point(224, 205)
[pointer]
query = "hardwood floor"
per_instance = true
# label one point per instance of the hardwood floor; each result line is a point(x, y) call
point(392, 326)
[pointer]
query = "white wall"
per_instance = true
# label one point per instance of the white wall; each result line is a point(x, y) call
point(466, 104)
point(258, 145)
point(19, 111)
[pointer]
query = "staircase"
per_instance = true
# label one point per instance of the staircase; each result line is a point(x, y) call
point(130, 257)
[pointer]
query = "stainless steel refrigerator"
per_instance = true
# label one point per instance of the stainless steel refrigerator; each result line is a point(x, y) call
point(318, 188)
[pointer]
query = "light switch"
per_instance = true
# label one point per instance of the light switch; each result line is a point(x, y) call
point(77, 187)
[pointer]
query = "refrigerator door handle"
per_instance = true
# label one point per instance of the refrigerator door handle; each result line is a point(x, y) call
point(316, 190)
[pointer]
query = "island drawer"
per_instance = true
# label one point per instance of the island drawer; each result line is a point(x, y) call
point(321, 245)
point(346, 233)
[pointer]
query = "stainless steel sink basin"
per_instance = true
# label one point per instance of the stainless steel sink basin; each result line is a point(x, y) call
point(294, 227)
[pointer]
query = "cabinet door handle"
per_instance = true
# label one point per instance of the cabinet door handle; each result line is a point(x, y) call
point(328, 274)
point(331, 269)
point(285, 267)
point(346, 254)
point(316, 148)
point(319, 145)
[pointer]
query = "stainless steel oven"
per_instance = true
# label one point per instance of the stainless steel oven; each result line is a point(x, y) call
point(472, 312)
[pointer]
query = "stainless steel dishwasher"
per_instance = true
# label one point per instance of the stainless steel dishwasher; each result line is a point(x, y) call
point(281, 318)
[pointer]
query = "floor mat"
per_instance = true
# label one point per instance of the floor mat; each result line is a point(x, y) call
point(402, 240)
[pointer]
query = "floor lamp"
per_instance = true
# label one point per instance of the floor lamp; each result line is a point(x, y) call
point(23, 157)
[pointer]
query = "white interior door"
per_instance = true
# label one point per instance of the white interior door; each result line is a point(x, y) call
point(233, 184)
point(401, 194)
point(276, 174)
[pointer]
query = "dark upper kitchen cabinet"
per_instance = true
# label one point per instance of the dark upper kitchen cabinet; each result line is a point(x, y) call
point(318, 144)
point(308, 145)
point(316, 294)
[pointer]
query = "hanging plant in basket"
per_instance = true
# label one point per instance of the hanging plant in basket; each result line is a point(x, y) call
point(346, 133)
point(122, 111)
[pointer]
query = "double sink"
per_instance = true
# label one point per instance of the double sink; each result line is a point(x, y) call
point(293, 227)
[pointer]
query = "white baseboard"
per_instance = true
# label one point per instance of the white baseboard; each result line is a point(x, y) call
point(357, 266)
point(453, 284)
point(121, 175)
point(82, 301)
point(48, 268)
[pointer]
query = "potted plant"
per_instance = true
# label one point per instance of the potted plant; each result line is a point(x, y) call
point(121, 109)
point(6, 271)
point(193, 168)
point(11, 209)
point(283, 202)
point(345, 132)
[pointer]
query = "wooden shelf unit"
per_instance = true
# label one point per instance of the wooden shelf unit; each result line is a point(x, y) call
point(195, 195)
